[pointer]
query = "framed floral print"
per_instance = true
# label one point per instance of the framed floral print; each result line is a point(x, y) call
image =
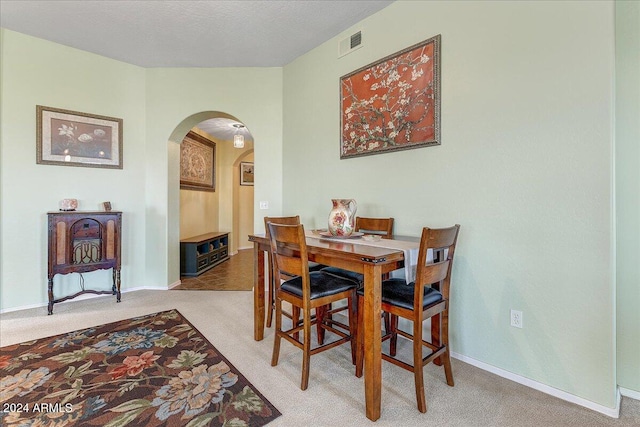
point(392, 104)
point(71, 138)
point(197, 163)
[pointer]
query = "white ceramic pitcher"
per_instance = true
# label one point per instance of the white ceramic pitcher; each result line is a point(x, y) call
point(342, 217)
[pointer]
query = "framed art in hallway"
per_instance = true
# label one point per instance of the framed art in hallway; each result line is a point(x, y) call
point(392, 104)
point(72, 138)
point(246, 173)
point(197, 163)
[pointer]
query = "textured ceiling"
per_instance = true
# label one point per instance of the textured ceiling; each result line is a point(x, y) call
point(211, 33)
point(188, 33)
point(223, 129)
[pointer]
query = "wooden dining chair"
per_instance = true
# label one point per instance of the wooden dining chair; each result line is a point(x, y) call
point(426, 298)
point(313, 266)
point(379, 226)
point(306, 291)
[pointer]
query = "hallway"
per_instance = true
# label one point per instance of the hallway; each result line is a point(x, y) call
point(236, 274)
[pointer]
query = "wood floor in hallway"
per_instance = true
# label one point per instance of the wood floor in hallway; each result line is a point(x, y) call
point(235, 274)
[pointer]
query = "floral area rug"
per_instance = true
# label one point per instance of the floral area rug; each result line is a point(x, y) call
point(153, 370)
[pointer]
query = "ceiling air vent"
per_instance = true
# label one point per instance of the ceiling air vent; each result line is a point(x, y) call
point(350, 44)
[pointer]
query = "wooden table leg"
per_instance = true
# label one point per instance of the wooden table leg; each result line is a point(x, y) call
point(258, 292)
point(372, 340)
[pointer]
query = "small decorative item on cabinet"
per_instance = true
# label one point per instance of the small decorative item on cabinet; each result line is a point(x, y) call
point(342, 217)
point(68, 204)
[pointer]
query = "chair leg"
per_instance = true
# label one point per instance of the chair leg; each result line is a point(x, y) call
point(417, 366)
point(295, 320)
point(320, 314)
point(360, 337)
point(323, 310)
point(271, 294)
point(353, 324)
point(446, 358)
point(387, 322)
point(435, 336)
point(306, 349)
point(393, 330)
point(277, 334)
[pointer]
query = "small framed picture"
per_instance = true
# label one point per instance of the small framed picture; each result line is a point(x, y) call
point(246, 173)
point(106, 206)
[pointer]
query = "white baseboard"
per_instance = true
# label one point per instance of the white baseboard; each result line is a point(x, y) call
point(245, 247)
point(633, 394)
point(174, 284)
point(83, 297)
point(560, 394)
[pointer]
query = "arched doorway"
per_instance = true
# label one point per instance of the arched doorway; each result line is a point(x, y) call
point(220, 208)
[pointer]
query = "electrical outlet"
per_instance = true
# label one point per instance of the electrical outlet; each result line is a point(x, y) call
point(264, 205)
point(516, 318)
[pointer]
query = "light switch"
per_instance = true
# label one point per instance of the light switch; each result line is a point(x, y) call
point(264, 205)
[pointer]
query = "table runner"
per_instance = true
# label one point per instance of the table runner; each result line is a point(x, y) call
point(410, 250)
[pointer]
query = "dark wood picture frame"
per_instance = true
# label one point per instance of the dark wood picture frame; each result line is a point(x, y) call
point(72, 138)
point(392, 104)
point(197, 163)
point(246, 173)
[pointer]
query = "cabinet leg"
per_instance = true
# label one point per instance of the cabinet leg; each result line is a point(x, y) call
point(50, 289)
point(117, 284)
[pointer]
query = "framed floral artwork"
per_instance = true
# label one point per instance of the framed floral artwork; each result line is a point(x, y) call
point(392, 104)
point(71, 138)
point(197, 163)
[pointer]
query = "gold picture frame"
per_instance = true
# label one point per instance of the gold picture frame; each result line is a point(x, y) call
point(72, 138)
point(197, 163)
point(246, 173)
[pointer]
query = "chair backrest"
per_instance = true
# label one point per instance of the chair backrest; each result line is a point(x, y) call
point(286, 220)
point(440, 241)
point(283, 220)
point(381, 226)
point(289, 252)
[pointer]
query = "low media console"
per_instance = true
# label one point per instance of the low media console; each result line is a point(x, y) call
point(201, 253)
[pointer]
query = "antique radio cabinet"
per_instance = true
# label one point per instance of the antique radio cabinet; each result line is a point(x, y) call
point(84, 241)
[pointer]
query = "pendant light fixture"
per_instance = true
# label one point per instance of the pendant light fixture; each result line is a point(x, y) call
point(238, 138)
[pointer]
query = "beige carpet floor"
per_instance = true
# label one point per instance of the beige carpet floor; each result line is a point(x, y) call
point(335, 397)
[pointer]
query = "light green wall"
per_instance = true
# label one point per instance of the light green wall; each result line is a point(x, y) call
point(157, 106)
point(628, 192)
point(38, 72)
point(525, 167)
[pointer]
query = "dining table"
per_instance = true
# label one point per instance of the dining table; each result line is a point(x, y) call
point(361, 255)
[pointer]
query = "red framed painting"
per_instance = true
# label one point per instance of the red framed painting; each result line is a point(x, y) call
point(392, 104)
